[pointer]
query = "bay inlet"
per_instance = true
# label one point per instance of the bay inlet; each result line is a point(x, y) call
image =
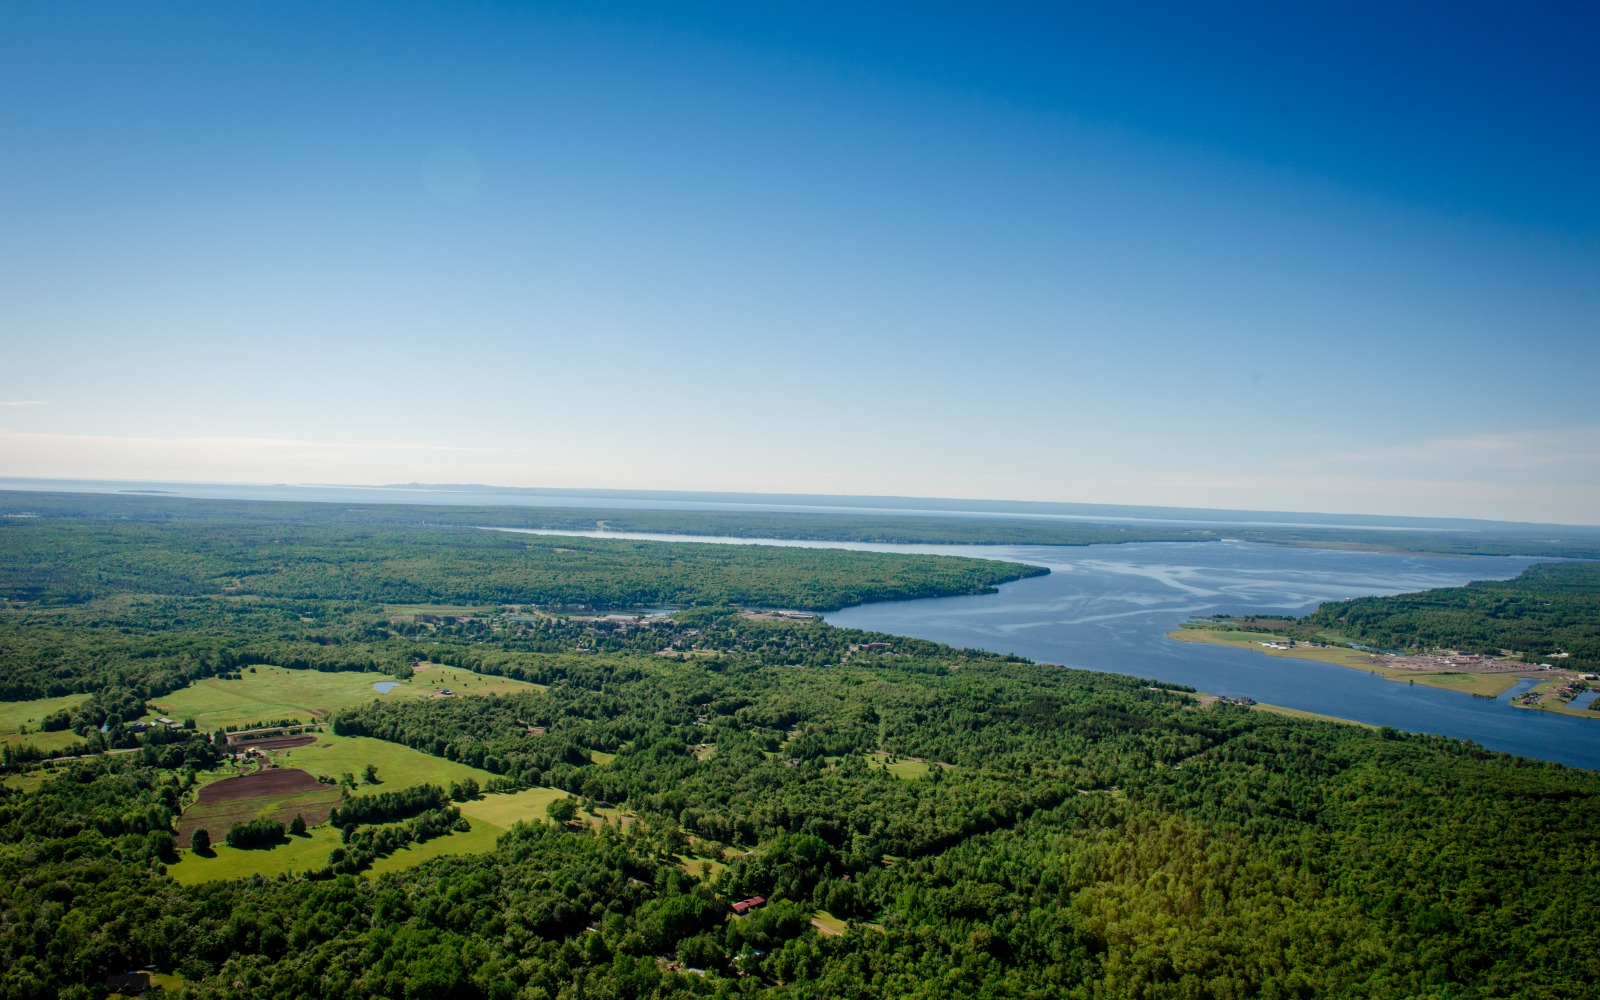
point(1109, 607)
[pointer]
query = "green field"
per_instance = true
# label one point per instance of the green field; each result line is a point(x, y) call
point(266, 693)
point(479, 840)
point(490, 816)
point(63, 739)
point(217, 817)
point(308, 853)
point(18, 715)
point(907, 770)
point(505, 810)
point(398, 766)
point(299, 854)
point(14, 715)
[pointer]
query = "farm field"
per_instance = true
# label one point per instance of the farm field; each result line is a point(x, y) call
point(276, 793)
point(398, 766)
point(220, 806)
point(266, 693)
point(490, 816)
point(402, 610)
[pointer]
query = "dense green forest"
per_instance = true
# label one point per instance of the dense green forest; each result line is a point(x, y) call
point(907, 528)
point(55, 561)
point(1047, 832)
point(1550, 608)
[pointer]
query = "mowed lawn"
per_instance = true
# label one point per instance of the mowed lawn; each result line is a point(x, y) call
point(267, 694)
point(18, 715)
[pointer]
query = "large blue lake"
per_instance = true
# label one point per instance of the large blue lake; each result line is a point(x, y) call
point(1108, 607)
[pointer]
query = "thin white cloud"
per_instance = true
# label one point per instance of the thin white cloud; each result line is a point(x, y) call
point(243, 443)
point(22, 402)
point(1564, 454)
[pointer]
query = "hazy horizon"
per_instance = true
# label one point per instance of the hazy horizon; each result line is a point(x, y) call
point(488, 494)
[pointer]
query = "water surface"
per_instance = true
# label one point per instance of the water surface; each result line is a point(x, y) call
point(1108, 607)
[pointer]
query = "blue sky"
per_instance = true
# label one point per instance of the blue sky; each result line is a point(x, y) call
point(1339, 259)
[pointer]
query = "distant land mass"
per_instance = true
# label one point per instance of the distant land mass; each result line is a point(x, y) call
point(752, 516)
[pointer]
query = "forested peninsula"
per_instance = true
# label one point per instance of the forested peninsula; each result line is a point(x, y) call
point(521, 796)
point(954, 528)
point(58, 561)
point(1550, 612)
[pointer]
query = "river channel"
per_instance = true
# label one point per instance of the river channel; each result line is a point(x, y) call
point(1108, 607)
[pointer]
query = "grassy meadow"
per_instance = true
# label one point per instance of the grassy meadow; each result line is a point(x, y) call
point(398, 767)
point(906, 770)
point(15, 716)
point(266, 693)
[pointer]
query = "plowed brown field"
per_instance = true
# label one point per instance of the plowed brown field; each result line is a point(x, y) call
point(276, 793)
point(272, 781)
point(276, 742)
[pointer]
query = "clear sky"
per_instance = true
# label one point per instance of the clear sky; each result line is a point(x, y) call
point(1337, 257)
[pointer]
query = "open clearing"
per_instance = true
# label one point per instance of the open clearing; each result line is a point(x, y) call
point(398, 766)
point(490, 816)
point(529, 806)
point(18, 715)
point(63, 739)
point(299, 854)
point(905, 768)
point(267, 694)
point(478, 610)
point(479, 840)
